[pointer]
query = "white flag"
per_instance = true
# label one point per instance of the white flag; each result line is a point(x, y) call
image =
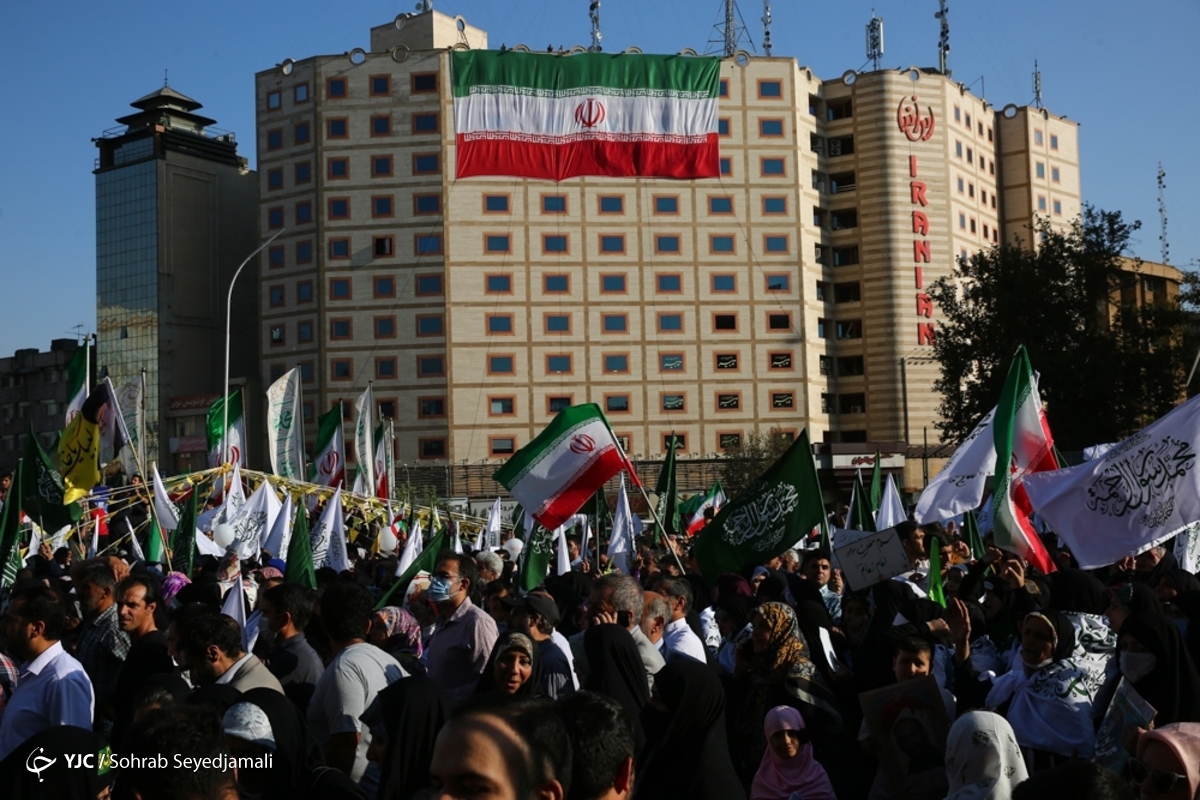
point(207, 546)
point(364, 443)
point(284, 436)
point(563, 562)
point(129, 396)
point(494, 523)
point(891, 508)
point(235, 496)
point(35, 543)
point(412, 548)
point(168, 515)
point(133, 542)
point(280, 534)
point(1137, 495)
point(1187, 548)
point(620, 545)
point(328, 537)
point(958, 487)
point(252, 522)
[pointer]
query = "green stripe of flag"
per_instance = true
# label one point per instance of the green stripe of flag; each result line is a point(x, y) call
point(546, 442)
point(584, 73)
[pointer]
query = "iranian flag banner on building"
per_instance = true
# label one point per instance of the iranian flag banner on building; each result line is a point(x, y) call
point(553, 117)
point(1023, 446)
point(329, 463)
point(556, 473)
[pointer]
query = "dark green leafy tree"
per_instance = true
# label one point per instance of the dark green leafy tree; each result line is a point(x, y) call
point(746, 462)
point(1108, 364)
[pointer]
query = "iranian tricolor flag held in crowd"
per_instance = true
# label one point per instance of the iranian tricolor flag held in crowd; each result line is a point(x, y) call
point(553, 117)
point(237, 432)
point(77, 381)
point(329, 464)
point(692, 510)
point(1023, 446)
point(556, 473)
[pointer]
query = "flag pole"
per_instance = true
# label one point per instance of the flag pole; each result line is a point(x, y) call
point(300, 402)
point(228, 314)
point(658, 522)
point(142, 421)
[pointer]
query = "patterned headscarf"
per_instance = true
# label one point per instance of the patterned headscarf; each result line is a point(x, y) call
point(403, 630)
point(787, 653)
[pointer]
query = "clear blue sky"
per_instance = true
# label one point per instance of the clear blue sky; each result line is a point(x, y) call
point(1126, 71)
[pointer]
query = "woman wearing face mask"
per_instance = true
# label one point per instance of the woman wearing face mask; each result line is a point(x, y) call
point(513, 668)
point(1045, 696)
point(1152, 657)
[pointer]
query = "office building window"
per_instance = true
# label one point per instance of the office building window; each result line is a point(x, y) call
point(666, 244)
point(429, 285)
point(430, 325)
point(674, 402)
point(556, 284)
point(503, 445)
point(335, 88)
point(774, 205)
point(770, 90)
point(381, 85)
point(342, 369)
point(381, 125)
point(426, 164)
point(425, 123)
point(558, 365)
point(495, 203)
point(498, 284)
point(427, 244)
point(668, 283)
point(430, 366)
point(501, 406)
point(554, 243)
point(385, 327)
point(304, 331)
point(616, 403)
point(431, 407)
point(424, 82)
point(724, 283)
point(614, 323)
point(500, 323)
point(554, 204)
point(670, 323)
point(302, 133)
point(616, 363)
point(666, 204)
point(612, 243)
point(612, 204)
point(497, 243)
point(670, 362)
point(427, 204)
point(431, 448)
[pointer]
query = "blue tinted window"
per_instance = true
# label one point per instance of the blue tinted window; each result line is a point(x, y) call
point(303, 252)
point(301, 132)
point(554, 244)
point(615, 323)
point(773, 166)
point(383, 206)
point(428, 203)
point(770, 127)
point(666, 244)
point(303, 172)
point(770, 89)
point(429, 244)
point(500, 323)
point(429, 326)
point(304, 292)
point(430, 365)
point(304, 212)
point(499, 283)
point(670, 362)
point(425, 123)
point(666, 205)
point(670, 322)
point(554, 204)
point(557, 283)
point(774, 205)
point(778, 283)
point(381, 126)
point(670, 283)
point(339, 248)
point(496, 202)
point(722, 244)
point(558, 323)
point(776, 244)
point(275, 218)
point(612, 244)
point(339, 288)
point(426, 163)
point(274, 139)
point(498, 243)
point(337, 87)
point(722, 127)
point(558, 364)
point(614, 204)
point(720, 205)
point(429, 284)
point(612, 283)
point(726, 166)
point(616, 363)
point(337, 128)
point(724, 283)
point(339, 208)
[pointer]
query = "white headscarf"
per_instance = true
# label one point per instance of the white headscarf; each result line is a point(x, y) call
point(983, 759)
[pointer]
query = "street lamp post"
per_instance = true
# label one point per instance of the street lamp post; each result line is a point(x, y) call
point(228, 312)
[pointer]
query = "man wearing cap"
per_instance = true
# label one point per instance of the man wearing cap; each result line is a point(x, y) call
point(536, 614)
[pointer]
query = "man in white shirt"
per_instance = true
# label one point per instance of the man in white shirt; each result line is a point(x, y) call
point(53, 688)
point(680, 641)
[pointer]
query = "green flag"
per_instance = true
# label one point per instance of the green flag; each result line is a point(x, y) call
point(770, 516)
point(426, 562)
point(183, 540)
point(598, 510)
point(826, 543)
point(11, 565)
point(860, 510)
point(10, 518)
point(535, 558)
point(299, 553)
point(971, 524)
point(154, 544)
point(41, 489)
point(668, 500)
point(876, 495)
point(936, 593)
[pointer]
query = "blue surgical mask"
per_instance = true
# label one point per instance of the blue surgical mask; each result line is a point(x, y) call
point(439, 589)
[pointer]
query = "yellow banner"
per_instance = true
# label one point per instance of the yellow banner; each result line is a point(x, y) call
point(79, 458)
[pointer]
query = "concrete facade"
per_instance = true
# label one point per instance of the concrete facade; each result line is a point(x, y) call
point(788, 293)
point(33, 393)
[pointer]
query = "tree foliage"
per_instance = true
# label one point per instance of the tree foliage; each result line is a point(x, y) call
point(747, 461)
point(1108, 366)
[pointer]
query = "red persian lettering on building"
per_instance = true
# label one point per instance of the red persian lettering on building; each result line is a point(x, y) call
point(917, 191)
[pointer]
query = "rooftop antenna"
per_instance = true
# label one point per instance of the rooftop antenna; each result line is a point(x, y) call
point(594, 14)
point(943, 14)
point(730, 31)
point(1037, 85)
point(875, 40)
point(766, 21)
point(166, 74)
point(1162, 214)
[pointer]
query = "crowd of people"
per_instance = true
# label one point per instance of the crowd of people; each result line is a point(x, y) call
point(779, 683)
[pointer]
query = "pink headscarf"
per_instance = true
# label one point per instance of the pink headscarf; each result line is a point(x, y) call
point(1184, 740)
point(779, 778)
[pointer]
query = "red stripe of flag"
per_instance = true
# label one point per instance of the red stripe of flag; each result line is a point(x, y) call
point(560, 508)
point(558, 162)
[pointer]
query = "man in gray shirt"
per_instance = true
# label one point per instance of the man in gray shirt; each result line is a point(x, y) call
point(465, 633)
point(357, 673)
point(617, 598)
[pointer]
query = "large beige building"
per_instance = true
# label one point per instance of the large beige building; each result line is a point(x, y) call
point(790, 292)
